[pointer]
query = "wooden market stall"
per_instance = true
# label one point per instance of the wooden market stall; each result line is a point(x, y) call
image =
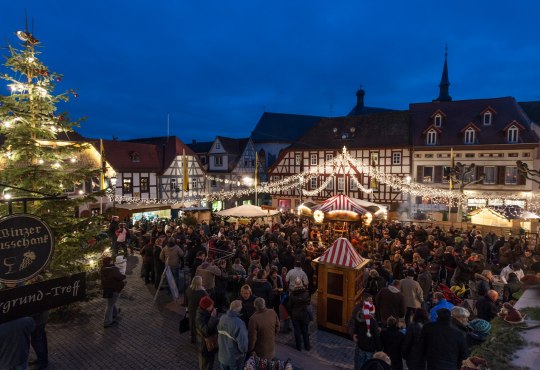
point(511, 217)
point(340, 278)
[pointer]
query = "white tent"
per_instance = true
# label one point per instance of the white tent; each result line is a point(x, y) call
point(247, 210)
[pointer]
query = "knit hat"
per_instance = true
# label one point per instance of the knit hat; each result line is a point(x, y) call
point(480, 326)
point(205, 302)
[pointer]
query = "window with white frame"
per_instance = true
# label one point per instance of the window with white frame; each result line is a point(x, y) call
point(437, 121)
point(513, 134)
point(341, 183)
point(313, 183)
point(427, 176)
point(330, 184)
point(352, 185)
point(490, 175)
point(396, 158)
point(193, 184)
point(218, 146)
point(298, 159)
point(276, 178)
point(329, 158)
point(431, 138)
point(218, 160)
point(313, 159)
point(511, 175)
point(470, 136)
point(487, 118)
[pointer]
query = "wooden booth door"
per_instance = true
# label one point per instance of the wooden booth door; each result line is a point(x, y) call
point(336, 299)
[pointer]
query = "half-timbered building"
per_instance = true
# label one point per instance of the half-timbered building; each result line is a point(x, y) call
point(493, 134)
point(374, 140)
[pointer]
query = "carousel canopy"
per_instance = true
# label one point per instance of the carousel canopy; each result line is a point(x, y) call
point(248, 211)
point(341, 202)
point(342, 253)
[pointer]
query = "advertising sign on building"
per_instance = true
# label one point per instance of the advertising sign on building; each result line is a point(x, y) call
point(26, 247)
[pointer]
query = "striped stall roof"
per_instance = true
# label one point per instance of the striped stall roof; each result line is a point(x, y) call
point(342, 253)
point(341, 202)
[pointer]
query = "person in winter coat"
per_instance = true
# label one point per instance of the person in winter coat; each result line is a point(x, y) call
point(512, 286)
point(439, 302)
point(262, 330)
point(375, 283)
point(262, 288)
point(112, 282)
point(194, 293)
point(414, 296)
point(486, 306)
point(412, 350)
point(159, 266)
point(147, 253)
point(390, 302)
point(171, 255)
point(380, 361)
point(206, 322)
point(515, 268)
point(366, 344)
point(484, 282)
point(248, 308)
point(15, 343)
point(232, 338)
point(425, 279)
point(392, 342)
point(299, 301)
point(444, 345)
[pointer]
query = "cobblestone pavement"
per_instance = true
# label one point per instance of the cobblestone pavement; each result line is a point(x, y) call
point(147, 336)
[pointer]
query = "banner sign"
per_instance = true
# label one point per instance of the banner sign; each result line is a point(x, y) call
point(34, 298)
point(26, 247)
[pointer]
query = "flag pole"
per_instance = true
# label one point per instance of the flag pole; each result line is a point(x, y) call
point(451, 183)
point(102, 175)
point(256, 177)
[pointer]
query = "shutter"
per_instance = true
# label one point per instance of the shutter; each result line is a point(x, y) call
point(479, 172)
point(437, 177)
point(420, 174)
point(501, 170)
point(521, 178)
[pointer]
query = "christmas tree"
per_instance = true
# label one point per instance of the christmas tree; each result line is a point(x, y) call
point(37, 154)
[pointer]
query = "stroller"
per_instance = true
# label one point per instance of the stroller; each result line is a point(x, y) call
point(449, 294)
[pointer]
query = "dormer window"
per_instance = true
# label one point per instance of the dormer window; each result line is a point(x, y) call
point(135, 157)
point(218, 146)
point(431, 137)
point(487, 117)
point(470, 136)
point(437, 120)
point(513, 134)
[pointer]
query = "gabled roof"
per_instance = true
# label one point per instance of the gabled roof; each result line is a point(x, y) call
point(282, 127)
point(462, 112)
point(119, 155)
point(234, 149)
point(389, 129)
point(200, 147)
point(169, 147)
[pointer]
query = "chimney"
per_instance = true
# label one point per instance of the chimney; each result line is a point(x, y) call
point(193, 141)
point(360, 99)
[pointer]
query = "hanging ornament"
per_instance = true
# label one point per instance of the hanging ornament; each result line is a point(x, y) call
point(58, 79)
point(75, 95)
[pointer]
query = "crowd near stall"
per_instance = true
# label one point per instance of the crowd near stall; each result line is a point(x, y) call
point(409, 296)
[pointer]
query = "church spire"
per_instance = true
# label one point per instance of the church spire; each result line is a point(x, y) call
point(445, 82)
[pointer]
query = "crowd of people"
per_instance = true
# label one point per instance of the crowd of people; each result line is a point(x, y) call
point(428, 294)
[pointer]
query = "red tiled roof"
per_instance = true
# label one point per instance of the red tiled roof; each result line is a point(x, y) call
point(119, 155)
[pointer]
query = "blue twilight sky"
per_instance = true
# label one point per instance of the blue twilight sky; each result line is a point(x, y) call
point(216, 66)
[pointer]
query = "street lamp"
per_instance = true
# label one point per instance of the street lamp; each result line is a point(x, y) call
point(249, 182)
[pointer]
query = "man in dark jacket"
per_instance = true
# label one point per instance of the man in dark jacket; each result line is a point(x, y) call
point(444, 346)
point(232, 338)
point(299, 301)
point(366, 345)
point(486, 308)
point(15, 343)
point(112, 281)
point(206, 322)
point(390, 302)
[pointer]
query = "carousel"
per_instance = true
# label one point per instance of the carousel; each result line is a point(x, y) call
point(337, 217)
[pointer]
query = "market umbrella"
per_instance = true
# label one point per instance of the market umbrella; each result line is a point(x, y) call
point(247, 211)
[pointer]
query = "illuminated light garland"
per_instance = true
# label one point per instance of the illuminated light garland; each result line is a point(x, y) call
point(344, 160)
